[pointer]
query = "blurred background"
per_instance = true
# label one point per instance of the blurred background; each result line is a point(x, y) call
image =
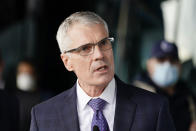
point(28, 30)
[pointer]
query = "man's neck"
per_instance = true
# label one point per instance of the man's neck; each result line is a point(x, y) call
point(92, 91)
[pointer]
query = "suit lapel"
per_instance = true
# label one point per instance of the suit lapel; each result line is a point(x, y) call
point(68, 116)
point(67, 111)
point(125, 109)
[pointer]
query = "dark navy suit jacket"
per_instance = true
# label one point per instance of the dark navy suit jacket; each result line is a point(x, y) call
point(136, 110)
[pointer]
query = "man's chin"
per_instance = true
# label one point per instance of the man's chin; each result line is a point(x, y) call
point(103, 80)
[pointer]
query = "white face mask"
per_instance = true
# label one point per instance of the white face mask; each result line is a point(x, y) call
point(165, 74)
point(25, 82)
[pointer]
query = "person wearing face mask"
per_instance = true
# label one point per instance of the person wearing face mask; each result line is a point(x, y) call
point(26, 77)
point(163, 77)
point(28, 90)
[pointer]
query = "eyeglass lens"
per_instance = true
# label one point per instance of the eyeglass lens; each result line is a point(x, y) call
point(103, 45)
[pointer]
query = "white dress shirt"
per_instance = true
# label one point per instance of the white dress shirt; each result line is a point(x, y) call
point(85, 112)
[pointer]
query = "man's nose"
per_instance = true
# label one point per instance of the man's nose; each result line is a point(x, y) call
point(98, 53)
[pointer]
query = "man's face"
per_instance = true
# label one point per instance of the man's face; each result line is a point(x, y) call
point(96, 69)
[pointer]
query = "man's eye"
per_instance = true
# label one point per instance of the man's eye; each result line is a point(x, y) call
point(104, 42)
point(86, 48)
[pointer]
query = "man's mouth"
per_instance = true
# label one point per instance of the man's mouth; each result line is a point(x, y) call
point(102, 68)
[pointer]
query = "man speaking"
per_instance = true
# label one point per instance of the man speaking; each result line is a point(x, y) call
point(99, 101)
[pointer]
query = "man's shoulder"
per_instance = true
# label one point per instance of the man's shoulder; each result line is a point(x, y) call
point(54, 101)
point(144, 96)
point(139, 95)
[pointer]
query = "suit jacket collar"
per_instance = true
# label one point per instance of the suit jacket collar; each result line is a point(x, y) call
point(124, 114)
point(125, 108)
point(67, 111)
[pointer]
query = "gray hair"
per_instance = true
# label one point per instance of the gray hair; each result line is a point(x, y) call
point(84, 17)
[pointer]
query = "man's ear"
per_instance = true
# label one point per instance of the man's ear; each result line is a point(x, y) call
point(67, 62)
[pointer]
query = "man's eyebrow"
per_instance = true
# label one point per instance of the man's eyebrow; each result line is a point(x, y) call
point(93, 42)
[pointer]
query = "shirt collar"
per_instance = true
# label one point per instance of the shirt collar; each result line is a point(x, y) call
point(108, 94)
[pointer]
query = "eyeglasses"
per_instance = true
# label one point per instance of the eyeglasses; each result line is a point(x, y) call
point(87, 49)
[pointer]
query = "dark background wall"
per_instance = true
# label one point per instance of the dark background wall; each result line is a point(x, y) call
point(28, 29)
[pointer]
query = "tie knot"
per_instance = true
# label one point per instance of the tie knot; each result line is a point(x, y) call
point(97, 104)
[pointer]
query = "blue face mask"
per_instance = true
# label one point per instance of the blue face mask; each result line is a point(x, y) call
point(165, 74)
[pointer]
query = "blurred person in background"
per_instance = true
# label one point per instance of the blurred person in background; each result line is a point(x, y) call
point(26, 76)
point(9, 107)
point(28, 90)
point(163, 77)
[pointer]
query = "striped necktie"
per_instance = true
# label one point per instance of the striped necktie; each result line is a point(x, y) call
point(98, 118)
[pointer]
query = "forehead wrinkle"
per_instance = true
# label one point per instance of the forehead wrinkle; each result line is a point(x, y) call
point(86, 37)
point(93, 42)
